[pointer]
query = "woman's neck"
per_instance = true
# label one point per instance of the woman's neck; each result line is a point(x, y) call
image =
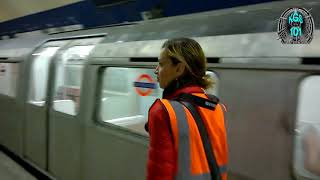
point(174, 86)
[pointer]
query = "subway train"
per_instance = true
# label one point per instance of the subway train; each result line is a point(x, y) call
point(74, 104)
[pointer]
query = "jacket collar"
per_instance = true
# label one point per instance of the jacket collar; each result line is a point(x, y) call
point(172, 91)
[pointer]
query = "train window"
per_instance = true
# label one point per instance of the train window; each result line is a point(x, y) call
point(126, 96)
point(8, 78)
point(39, 75)
point(307, 139)
point(68, 79)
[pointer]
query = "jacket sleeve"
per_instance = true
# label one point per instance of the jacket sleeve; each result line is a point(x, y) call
point(161, 158)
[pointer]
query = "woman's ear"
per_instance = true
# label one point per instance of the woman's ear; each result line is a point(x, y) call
point(180, 69)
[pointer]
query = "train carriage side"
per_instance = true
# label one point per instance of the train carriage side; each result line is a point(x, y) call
point(14, 54)
point(259, 88)
point(114, 140)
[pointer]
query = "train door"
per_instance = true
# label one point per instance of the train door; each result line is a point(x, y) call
point(36, 120)
point(64, 124)
point(10, 109)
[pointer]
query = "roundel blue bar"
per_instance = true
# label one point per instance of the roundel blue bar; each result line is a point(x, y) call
point(145, 85)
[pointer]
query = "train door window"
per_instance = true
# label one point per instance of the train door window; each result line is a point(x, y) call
point(126, 96)
point(307, 139)
point(68, 79)
point(8, 78)
point(39, 75)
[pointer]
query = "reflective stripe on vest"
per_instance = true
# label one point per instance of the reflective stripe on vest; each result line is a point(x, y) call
point(181, 132)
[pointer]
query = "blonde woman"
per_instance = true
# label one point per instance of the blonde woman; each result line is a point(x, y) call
point(186, 127)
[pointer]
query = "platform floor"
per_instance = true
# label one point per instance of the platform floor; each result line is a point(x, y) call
point(10, 170)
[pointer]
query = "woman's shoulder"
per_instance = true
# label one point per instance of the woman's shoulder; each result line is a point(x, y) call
point(157, 107)
point(158, 117)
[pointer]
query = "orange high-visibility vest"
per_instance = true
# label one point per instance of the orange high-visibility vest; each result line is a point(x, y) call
point(192, 161)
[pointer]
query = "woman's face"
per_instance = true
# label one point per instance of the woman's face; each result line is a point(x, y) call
point(166, 71)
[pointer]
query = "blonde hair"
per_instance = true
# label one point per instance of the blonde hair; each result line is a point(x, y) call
point(189, 52)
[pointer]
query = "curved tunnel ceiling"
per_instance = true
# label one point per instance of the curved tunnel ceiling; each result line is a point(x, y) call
point(11, 9)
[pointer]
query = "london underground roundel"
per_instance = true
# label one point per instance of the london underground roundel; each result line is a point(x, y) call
point(144, 85)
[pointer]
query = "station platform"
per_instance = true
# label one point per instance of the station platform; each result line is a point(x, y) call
point(10, 170)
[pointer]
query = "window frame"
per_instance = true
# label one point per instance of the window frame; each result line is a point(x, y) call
point(46, 88)
point(60, 59)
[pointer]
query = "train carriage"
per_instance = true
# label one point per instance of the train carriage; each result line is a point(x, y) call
point(82, 97)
